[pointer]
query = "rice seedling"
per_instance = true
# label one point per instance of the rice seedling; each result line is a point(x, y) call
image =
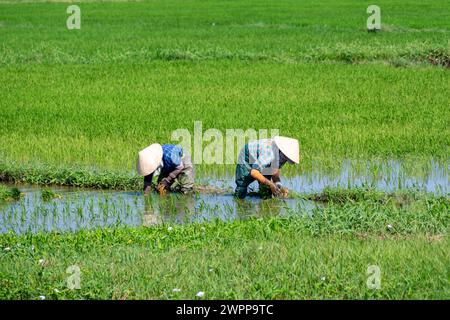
point(48, 194)
point(9, 194)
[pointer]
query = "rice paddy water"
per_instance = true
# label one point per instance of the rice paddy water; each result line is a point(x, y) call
point(71, 209)
point(74, 210)
point(389, 176)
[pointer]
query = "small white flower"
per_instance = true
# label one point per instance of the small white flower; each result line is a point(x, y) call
point(176, 290)
point(42, 297)
point(389, 226)
point(169, 229)
point(211, 270)
point(323, 278)
point(200, 294)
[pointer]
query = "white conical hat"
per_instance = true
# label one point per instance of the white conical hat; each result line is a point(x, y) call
point(289, 147)
point(149, 159)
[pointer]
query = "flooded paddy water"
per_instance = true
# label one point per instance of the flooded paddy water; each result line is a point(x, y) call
point(76, 209)
point(387, 176)
point(73, 210)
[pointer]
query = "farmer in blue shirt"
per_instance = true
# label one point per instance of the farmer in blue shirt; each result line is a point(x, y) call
point(261, 160)
point(171, 164)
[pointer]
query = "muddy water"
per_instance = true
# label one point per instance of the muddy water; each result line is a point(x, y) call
point(81, 209)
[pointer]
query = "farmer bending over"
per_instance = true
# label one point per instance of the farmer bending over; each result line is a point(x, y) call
point(261, 160)
point(171, 164)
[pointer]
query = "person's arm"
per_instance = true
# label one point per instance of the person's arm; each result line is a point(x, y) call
point(169, 179)
point(261, 179)
point(175, 160)
point(276, 176)
point(148, 183)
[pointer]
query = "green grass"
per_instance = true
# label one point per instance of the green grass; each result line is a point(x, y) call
point(99, 117)
point(76, 106)
point(355, 195)
point(123, 32)
point(256, 259)
point(69, 176)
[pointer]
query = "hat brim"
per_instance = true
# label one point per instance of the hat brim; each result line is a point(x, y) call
point(149, 159)
point(289, 147)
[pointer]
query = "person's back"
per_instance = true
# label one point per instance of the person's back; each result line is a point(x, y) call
point(171, 164)
point(172, 155)
point(258, 154)
point(261, 160)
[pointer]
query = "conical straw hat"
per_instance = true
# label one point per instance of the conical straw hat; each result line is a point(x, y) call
point(149, 159)
point(289, 147)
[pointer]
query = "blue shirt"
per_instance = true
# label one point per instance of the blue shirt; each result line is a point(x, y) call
point(171, 157)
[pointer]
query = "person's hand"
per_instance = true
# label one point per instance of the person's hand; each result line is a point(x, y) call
point(284, 192)
point(162, 189)
point(273, 187)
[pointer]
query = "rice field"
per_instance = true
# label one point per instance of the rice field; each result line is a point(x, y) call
point(91, 116)
point(371, 111)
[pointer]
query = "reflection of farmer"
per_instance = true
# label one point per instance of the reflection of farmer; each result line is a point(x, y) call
point(159, 210)
point(261, 160)
point(171, 164)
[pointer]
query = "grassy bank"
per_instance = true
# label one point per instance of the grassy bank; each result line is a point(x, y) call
point(69, 176)
point(323, 255)
point(257, 259)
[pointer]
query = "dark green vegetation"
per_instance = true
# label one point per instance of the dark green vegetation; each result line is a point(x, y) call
point(48, 194)
point(9, 194)
point(68, 176)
